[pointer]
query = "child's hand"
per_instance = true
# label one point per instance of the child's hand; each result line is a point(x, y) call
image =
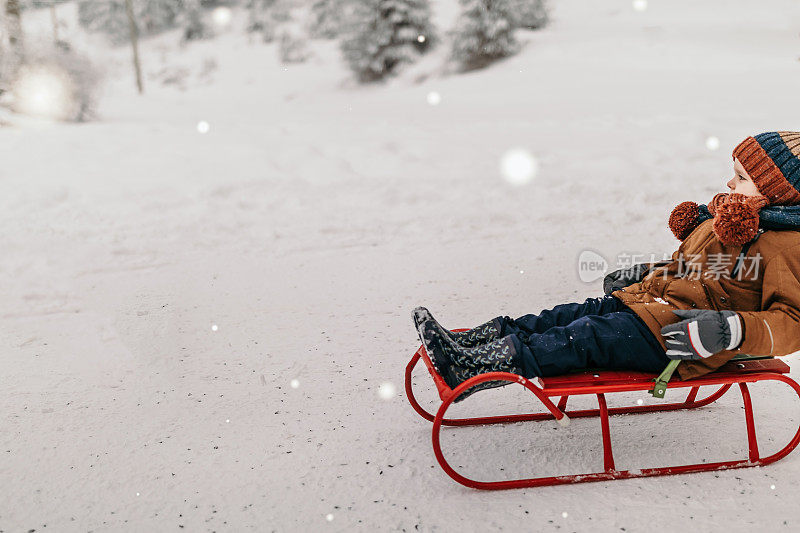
point(619, 279)
point(702, 333)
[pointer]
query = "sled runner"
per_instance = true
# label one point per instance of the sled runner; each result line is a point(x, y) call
point(741, 371)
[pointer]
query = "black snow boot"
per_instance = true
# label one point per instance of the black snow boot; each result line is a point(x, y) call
point(460, 375)
point(482, 334)
point(497, 355)
point(438, 344)
point(437, 349)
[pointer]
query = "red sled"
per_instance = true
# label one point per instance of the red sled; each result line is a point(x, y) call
point(741, 371)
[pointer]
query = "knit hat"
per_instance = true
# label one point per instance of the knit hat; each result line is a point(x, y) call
point(772, 160)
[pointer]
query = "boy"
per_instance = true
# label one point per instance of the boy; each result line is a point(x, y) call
point(733, 286)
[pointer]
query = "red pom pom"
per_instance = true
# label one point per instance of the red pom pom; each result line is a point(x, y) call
point(736, 222)
point(720, 199)
point(683, 219)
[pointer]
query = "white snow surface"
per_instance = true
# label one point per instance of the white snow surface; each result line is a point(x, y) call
point(309, 221)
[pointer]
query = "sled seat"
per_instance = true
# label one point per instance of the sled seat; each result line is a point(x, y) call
point(740, 371)
point(593, 378)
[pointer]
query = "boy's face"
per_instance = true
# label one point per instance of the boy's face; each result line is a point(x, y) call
point(741, 182)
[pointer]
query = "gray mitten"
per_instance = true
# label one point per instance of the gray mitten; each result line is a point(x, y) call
point(702, 333)
point(623, 277)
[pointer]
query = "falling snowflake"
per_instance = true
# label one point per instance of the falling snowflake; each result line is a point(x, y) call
point(521, 271)
point(420, 38)
point(203, 126)
point(222, 16)
point(44, 91)
point(214, 327)
point(294, 383)
point(387, 391)
point(639, 5)
point(772, 487)
point(434, 98)
point(639, 401)
point(564, 514)
point(329, 517)
point(712, 143)
point(518, 166)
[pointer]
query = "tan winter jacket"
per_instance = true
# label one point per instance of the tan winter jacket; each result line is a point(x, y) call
point(765, 293)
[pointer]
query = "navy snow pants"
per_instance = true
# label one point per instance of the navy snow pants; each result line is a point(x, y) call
point(599, 333)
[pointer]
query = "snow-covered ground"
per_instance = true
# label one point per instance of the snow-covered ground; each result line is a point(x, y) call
point(162, 288)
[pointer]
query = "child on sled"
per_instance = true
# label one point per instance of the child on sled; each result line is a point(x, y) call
point(699, 307)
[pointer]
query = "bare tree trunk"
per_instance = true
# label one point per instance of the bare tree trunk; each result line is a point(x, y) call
point(54, 19)
point(2, 40)
point(135, 44)
point(15, 51)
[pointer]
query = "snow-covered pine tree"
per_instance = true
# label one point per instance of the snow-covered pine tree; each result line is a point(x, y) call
point(261, 18)
point(109, 16)
point(194, 27)
point(292, 44)
point(257, 14)
point(484, 33)
point(381, 35)
point(281, 11)
point(37, 4)
point(157, 15)
point(324, 19)
point(530, 14)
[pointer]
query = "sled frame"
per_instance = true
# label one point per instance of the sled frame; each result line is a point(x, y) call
point(599, 383)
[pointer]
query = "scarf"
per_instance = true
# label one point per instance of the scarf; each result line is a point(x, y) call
point(737, 218)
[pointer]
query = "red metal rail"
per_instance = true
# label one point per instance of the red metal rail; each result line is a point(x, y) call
point(600, 383)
